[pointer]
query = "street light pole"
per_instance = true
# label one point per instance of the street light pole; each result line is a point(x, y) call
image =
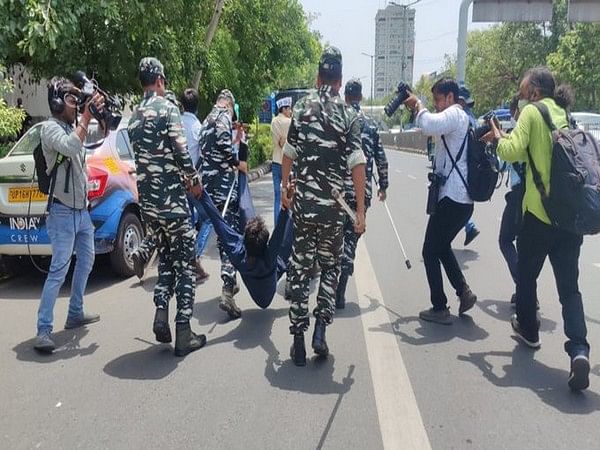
point(371, 56)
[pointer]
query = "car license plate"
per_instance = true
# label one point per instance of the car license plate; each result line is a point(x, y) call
point(21, 195)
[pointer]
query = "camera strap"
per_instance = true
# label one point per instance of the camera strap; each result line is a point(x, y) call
point(458, 156)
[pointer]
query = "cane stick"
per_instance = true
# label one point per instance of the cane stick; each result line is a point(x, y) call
point(389, 213)
point(336, 195)
point(229, 195)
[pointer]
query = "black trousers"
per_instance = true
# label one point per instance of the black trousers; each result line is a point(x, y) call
point(509, 228)
point(442, 228)
point(536, 241)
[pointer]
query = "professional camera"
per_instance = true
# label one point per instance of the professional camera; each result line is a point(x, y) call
point(402, 94)
point(436, 181)
point(111, 116)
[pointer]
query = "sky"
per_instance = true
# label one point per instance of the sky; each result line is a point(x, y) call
point(350, 26)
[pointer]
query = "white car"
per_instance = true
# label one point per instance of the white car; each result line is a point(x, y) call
point(589, 122)
point(112, 195)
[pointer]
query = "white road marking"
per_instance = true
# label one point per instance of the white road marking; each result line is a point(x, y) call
point(400, 420)
point(412, 177)
point(398, 171)
point(597, 265)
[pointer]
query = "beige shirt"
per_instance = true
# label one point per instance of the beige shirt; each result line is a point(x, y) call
point(279, 130)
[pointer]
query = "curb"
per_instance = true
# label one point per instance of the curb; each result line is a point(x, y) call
point(260, 171)
point(417, 151)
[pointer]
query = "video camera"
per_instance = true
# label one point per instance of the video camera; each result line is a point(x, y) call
point(402, 93)
point(110, 116)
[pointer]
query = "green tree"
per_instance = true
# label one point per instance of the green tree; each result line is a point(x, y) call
point(498, 57)
point(258, 46)
point(576, 62)
point(11, 119)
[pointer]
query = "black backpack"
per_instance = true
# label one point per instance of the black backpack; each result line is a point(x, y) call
point(45, 182)
point(482, 164)
point(573, 203)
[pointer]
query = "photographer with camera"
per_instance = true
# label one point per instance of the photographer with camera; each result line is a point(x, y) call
point(449, 204)
point(68, 223)
point(532, 142)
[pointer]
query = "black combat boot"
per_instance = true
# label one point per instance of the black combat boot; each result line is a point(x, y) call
point(298, 352)
point(340, 293)
point(319, 344)
point(161, 326)
point(186, 341)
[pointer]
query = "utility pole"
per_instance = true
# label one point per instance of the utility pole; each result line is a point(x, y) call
point(370, 56)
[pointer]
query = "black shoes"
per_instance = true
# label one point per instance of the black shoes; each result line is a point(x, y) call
point(579, 379)
point(187, 341)
point(298, 351)
point(319, 344)
point(532, 340)
point(471, 235)
point(467, 300)
point(138, 265)
point(161, 326)
point(340, 293)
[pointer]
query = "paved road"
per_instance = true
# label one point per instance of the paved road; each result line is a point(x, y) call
point(391, 381)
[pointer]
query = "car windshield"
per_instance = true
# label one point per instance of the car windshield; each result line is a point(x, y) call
point(27, 143)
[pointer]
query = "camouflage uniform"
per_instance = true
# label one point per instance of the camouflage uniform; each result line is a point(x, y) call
point(373, 150)
point(162, 164)
point(218, 175)
point(148, 244)
point(324, 141)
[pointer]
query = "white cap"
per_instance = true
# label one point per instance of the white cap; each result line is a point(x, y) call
point(283, 102)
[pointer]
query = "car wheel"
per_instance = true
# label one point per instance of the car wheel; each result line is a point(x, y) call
point(129, 237)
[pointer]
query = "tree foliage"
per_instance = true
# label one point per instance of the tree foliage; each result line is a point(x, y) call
point(11, 119)
point(576, 61)
point(498, 57)
point(260, 45)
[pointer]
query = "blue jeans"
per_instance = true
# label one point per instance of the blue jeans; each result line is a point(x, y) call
point(276, 169)
point(200, 216)
point(69, 230)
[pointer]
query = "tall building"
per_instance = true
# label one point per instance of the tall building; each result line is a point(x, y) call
point(394, 48)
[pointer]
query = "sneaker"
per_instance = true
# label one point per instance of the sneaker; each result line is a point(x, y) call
point(531, 341)
point(580, 370)
point(467, 300)
point(138, 265)
point(228, 305)
point(471, 235)
point(44, 343)
point(85, 319)
point(441, 316)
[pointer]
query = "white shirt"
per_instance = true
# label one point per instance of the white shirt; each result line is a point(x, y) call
point(191, 128)
point(453, 124)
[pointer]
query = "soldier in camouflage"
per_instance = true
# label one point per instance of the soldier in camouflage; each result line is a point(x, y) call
point(163, 165)
point(141, 255)
point(373, 150)
point(219, 165)
point(324, 141)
